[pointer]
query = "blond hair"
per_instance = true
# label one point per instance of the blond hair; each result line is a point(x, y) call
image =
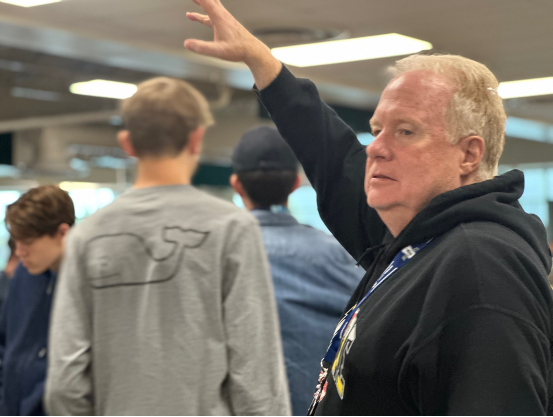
point(475, 108)
point(161, 115)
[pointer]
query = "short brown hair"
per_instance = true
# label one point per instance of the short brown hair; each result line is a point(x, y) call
point(161, 115)
point(39, 212)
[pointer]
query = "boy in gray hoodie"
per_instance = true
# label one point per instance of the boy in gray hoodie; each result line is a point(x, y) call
point(164, 303)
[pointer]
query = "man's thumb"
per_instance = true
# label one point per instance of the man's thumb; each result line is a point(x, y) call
point(201, 47)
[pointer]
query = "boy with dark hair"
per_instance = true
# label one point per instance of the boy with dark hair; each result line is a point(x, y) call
point(165, 304)
point(38, 223)
point(313, 275)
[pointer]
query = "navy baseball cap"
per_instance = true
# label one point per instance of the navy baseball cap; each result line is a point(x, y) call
point(262, 148)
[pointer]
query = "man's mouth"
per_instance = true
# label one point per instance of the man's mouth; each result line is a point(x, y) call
point(382, 177)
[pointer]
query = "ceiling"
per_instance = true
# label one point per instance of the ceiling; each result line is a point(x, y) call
point(49, 47)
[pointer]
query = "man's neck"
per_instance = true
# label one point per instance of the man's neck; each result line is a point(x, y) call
point(154, 172)
point(251, 206)
point(396, 220)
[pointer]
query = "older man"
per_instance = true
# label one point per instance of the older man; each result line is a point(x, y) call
point(454, 313)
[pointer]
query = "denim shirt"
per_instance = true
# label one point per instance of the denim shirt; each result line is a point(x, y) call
point(314, 278)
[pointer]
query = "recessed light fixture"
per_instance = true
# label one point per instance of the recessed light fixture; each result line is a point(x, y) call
point(526, 88)
point(348, 50)
point(103, 88)
point(29, 3)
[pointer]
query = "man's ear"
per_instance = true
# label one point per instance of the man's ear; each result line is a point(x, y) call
point(297, 183)
point(195, 140)
point(237, 185)
point(473, 149)
point(63, 229)
point(124, 139)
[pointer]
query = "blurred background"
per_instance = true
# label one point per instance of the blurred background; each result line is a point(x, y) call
point(52, 130)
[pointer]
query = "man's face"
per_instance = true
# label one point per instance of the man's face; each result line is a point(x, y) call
point(41, 253)
point(410, 161)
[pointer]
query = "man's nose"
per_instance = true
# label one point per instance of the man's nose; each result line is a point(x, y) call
point(379, 147)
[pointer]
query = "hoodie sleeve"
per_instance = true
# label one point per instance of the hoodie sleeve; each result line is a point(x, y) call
point(331, 156)
point(257, 378)
point(69, 382)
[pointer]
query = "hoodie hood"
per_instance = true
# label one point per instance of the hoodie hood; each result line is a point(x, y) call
point(494, 200)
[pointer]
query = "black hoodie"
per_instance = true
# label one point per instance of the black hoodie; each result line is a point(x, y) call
point(465, 326)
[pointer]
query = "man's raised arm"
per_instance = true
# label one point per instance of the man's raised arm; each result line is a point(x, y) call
point(327, 148)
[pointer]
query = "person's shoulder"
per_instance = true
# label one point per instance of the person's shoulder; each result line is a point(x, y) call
point(236, 219)
point(493, 263)
point(22, 279)
point(96, 220)
point(218, 206)
point(487, 239)
point(487, 248)
point(20, 272)
point(312, 245)
point(325, 241)
point(201, 205)
point(481, 266)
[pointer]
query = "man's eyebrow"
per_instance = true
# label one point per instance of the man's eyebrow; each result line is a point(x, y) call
point(374, 122)
point(407, 120)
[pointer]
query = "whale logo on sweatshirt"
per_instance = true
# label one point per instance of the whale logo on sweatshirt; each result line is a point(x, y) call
point(131, 259)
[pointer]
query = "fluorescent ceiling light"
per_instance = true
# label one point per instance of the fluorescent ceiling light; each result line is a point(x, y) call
point(74, 185)
point(31, 93)
point(526, 88)
point(29, 3)
point(347, 50)
point(103, 88)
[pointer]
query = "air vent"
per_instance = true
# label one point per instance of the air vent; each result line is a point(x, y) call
point(286, 36)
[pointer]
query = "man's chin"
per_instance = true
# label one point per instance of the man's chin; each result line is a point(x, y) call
point(380, 204)
point(378, 199)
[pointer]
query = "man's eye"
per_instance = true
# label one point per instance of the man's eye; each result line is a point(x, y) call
point(406, 132)
point(375, 132)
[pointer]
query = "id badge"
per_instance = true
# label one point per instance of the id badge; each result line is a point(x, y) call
point(320, 392)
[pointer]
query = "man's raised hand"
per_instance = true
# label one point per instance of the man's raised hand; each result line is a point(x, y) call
point(232, 42)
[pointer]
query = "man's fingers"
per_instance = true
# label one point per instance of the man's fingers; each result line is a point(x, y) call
point(209, 6)
point(203, 47)
point(197, 17)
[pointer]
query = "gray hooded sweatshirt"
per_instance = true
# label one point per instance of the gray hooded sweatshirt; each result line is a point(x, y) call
point(165, 306)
